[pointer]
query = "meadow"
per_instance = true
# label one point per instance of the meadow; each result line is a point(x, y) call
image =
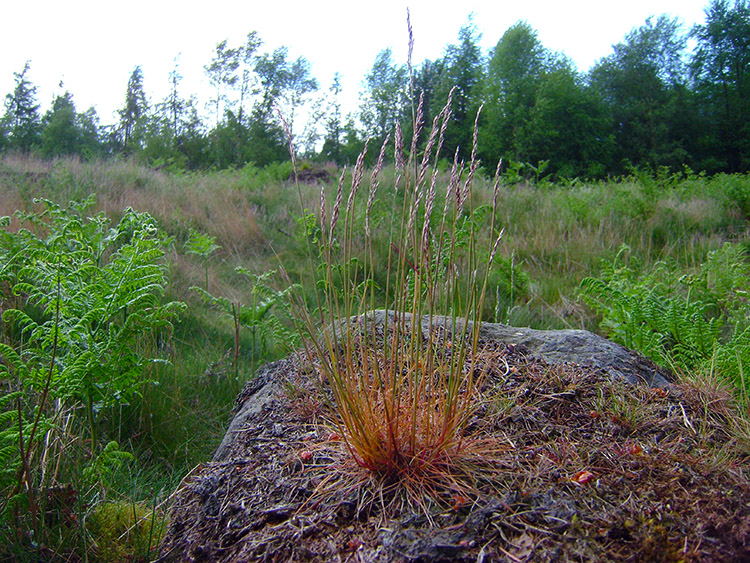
point(656, 260)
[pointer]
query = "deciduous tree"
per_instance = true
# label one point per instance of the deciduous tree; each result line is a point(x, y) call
point(637, 81)
point(462, 68)
point(386, 98)
point(516, 66)
point(222, 75)
point(61, 135)
point(720, 69)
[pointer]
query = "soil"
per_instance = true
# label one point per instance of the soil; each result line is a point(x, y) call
point(586, 468)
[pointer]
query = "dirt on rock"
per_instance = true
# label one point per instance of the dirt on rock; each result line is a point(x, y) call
point(588, 468)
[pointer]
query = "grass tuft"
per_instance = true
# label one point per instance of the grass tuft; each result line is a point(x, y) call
point(402, 379)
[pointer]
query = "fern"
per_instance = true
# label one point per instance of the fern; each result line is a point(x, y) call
point(201, 245)
point(89, 294)
point(687, 319)
point(109, 459)
point(255, 316)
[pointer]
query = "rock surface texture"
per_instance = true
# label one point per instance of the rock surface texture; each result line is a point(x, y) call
point(601, 460)
point(580, 347)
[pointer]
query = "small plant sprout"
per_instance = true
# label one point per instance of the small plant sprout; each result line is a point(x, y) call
point(202, 245)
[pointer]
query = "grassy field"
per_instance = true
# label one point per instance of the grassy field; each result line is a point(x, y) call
point(555, 237)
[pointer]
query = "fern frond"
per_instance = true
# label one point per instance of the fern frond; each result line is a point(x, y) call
point(12, 358)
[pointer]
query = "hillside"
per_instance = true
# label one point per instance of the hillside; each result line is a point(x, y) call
point(679, 239)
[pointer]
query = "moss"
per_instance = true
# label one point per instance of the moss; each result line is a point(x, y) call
point(125, 531)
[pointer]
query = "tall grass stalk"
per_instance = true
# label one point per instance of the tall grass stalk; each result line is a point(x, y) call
point(403, 379)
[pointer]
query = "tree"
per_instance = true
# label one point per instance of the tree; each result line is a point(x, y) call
point(569, 126)
point(21, 118)
point(386, 98)
point(173, 108)
point(720, 70)
point(60, 135)
point(246, 55)
point(221, 74)
point(4, 134)
point(233, 69)
point(298, 85)
point(427, 78)
point(278, 84)
point(462, 68)
point(272, 71)
point(516, 66)
point(175, 135)
point(89, 133)
point(132, 127)
point(333, 123)
point(637, 82)
point(68, 132)
point(270, 80)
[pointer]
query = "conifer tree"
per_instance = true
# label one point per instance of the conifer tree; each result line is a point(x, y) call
point(21, 119)
point(132, 127)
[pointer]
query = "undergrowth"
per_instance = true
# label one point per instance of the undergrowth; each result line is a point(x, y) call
point(689, 320)
point(82, 321)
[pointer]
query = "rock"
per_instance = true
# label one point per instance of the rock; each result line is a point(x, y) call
point(252, 502)
point(579, 347)
point(311, 174)
point(559, 346)
point(259, 394)
point(583, 348)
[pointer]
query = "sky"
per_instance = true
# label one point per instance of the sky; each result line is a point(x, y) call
point(92, 46)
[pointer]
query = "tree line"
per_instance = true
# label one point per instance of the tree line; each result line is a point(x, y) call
point(650, 103)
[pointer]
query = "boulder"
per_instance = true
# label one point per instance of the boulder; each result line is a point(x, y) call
point(580, 347)
point(588, 438)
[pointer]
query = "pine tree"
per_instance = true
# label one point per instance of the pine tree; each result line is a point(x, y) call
point(131, 129)
point(21, 118)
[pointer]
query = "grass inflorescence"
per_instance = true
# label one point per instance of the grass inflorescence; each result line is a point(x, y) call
point(403, 381)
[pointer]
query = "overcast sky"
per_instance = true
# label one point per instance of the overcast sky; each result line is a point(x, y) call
point(92, 46)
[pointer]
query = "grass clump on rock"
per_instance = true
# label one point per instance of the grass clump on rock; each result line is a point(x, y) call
point(403, 395)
